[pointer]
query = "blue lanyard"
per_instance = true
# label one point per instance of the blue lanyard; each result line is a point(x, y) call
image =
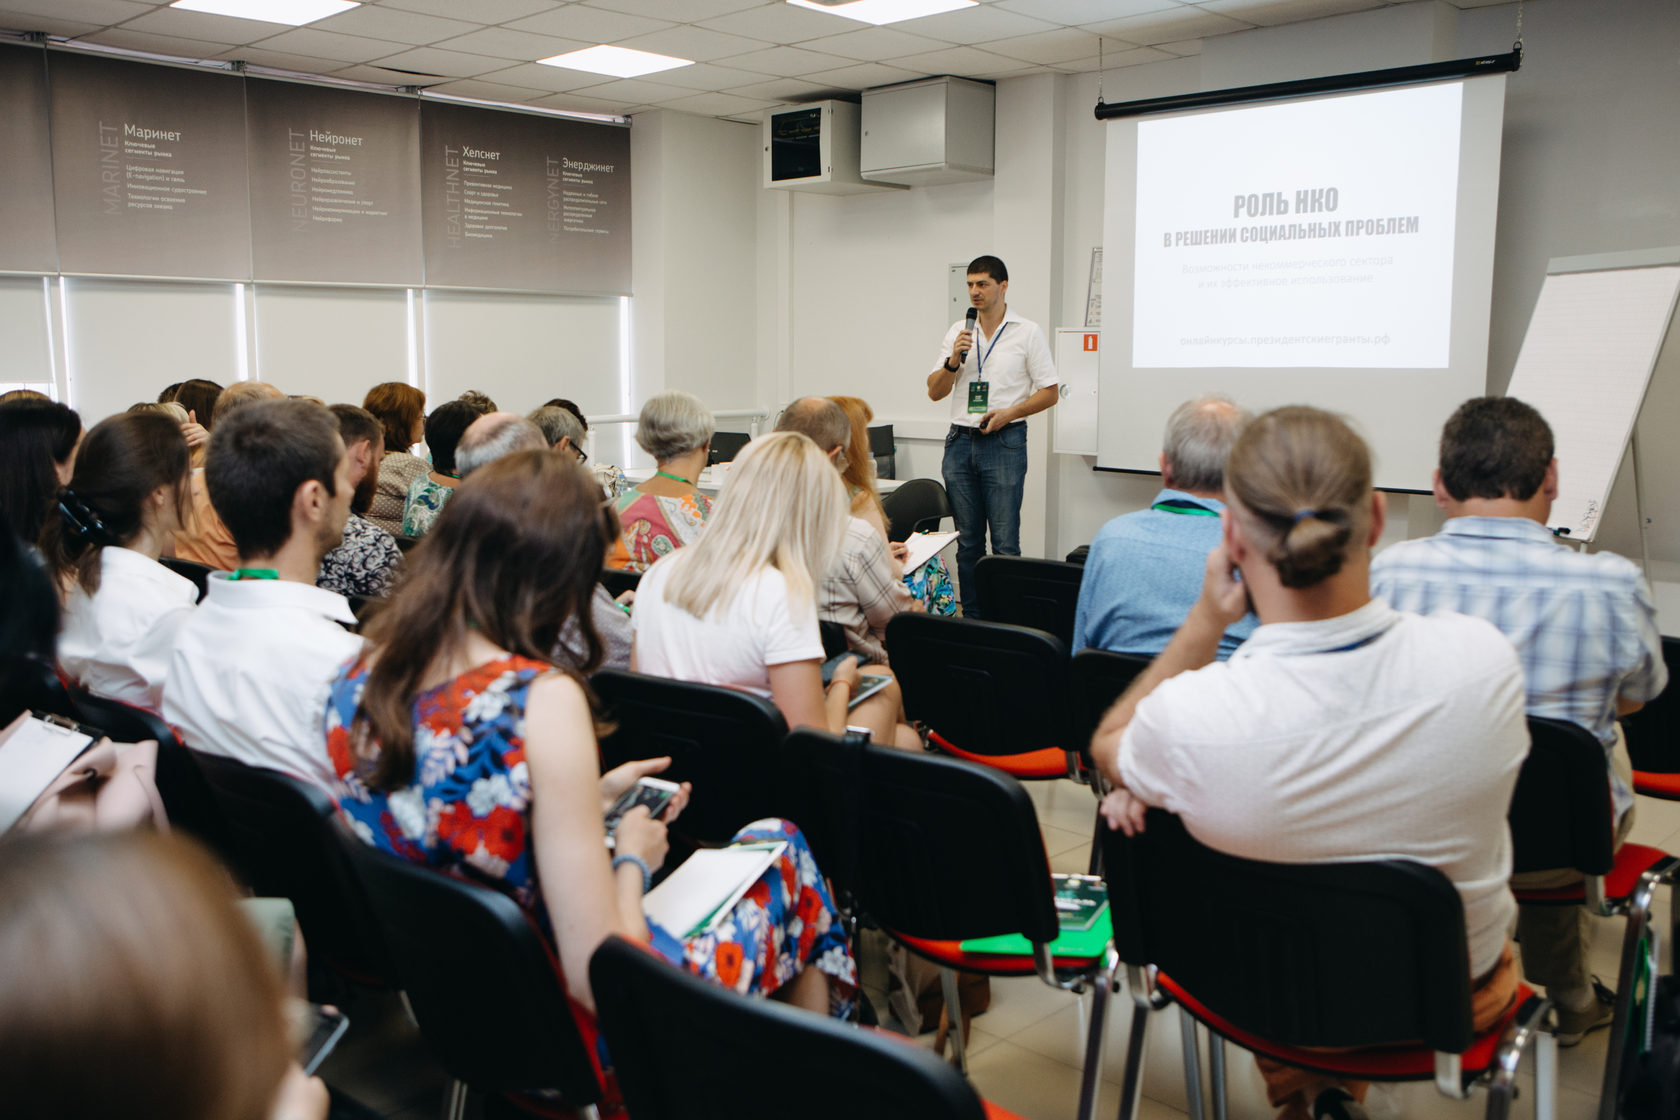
point(980, 358)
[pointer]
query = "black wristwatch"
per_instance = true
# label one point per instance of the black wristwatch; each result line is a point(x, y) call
point(948, 368)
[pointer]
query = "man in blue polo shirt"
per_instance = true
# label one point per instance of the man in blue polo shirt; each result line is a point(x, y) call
point(1145, 568)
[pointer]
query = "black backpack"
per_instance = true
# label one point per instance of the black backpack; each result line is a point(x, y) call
point(1651, 1081)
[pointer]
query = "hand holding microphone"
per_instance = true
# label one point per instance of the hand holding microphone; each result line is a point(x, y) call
point(959, 349)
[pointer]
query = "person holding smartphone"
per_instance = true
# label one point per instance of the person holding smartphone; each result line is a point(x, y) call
point(996, 368)
point(460, 744)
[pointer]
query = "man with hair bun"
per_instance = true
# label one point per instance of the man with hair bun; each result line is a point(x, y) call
point(1145, 567)
point(1342, 730)
point(1584, 624)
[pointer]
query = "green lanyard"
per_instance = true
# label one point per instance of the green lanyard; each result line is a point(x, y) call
point(254, 573)
point(675, 477)
point(1177, 505)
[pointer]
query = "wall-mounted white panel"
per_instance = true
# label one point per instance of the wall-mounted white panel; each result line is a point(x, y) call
point(127, 339)
point(522, 349)
point(332, 343)
point(26, 359)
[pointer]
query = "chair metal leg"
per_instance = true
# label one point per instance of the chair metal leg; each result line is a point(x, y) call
point(1216, 1072)
point(1638, 917)
point(953, 1013)
point(1090, 1077)
point(1192, 1065)
point(455, 1101)
point(1097, 829)
point(1131, 1085)
point(1545, 1077)
point(1529, 1031)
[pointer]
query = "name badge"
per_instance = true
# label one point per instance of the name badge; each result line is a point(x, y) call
point(978, 393)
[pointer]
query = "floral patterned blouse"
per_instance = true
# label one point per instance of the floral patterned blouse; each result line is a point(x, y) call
point(423, 504)
point(468, 809)
point(655, 526)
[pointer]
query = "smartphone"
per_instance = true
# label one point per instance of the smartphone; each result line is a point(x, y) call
point(329, 1026)
point(868, 685)
point(655, 793)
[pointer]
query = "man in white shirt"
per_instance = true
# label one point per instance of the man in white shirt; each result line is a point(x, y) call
point(249, 674)
point(863, 589)
point(1341, 730)
point(996, 375)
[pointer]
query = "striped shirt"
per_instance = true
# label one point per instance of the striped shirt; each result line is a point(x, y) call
point(1584, 624)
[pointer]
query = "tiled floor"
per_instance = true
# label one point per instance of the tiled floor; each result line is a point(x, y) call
point(1027, 1050)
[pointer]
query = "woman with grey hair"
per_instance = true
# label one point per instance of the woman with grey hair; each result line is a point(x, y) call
point(667, 511)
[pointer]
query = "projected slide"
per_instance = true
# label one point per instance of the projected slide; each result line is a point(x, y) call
point(1313, 234)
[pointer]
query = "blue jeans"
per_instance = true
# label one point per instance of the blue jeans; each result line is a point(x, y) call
point(984, 478)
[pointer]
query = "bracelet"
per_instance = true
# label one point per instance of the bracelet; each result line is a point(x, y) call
point(848, 685)
point(647, 872)
point(946, 366)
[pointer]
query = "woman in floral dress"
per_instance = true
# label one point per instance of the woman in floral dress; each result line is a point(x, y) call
point(667, 511)
point(460, 745)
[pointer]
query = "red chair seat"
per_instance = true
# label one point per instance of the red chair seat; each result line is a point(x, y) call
point(950, 954)
point(1051, 762)
point(998, 1112)
point(1654, 784)
point(1378, 1063)
point(1632, 861)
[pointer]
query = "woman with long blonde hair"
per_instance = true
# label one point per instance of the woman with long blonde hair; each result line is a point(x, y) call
point(739, 606)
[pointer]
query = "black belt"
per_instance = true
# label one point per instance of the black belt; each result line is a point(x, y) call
point(964, 429)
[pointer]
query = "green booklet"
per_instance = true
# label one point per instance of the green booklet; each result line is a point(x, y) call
point(1082, 911)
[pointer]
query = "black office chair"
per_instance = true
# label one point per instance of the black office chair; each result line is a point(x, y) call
point(919, 504)
point(406, 544)
point(725, 446)
point(1653, 735)
point(1368, 958)
point(1561, 817)
point(483, 984)
point(1026, 591)
point(29, 682)
point(988, 692)
point(283, 842)
point(1096, 678)
point(677, 1043)
point(186, 796)
point(937, 851)
point(617, 582)
point(727, 742)
point(883, 450)
point(193, 570)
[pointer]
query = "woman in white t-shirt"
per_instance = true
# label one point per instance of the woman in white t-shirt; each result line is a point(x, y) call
point(738, 606)
point(127, 497)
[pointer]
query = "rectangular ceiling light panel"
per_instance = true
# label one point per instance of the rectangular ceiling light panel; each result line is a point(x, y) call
point(620, 62)
point(879, 12)
point(296, 13)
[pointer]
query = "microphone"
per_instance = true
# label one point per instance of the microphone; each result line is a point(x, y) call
point(973, 314)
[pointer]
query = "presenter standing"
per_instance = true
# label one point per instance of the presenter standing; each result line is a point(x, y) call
point(997, 370)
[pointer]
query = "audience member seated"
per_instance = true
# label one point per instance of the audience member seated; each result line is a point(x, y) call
point(427, 492)
point(38, 441)
point(478, 402)
point(29, 618)
point(135, 988)
point(196, 434)
point(366, 561)
point(739, 606)
point(460, 745)
point(198, 396)
point(667, 511)
point(861, 591)
point(611, 477)
point(122, 608)
point(562, 428)
point(1342, 729)
point(1145, 568)
point(249, 675)
point(493, 435)
point(1584, 625)
point(205, 538)
point(400, 409)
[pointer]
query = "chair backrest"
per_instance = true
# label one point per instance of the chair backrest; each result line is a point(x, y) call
point(193, 570)
point(405, 543)
point(727, 445)
point(930, 847)
point(186, 796)
point(30, 682)
point(727, 742)
point(282, 836)
point(1096, 679)
point(617, 581)
point(482, 982)
point(1653, 732)
point(1561, 812)
point(985, 687)
point(833, 638)
point(1026, 591)
point(883, 450)
point(1331, 954)
point(919, 504)
point(678, 1044)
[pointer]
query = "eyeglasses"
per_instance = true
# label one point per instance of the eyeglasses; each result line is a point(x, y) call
point(583, 456)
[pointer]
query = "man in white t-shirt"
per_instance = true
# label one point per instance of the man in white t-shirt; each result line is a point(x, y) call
point(1341, 730)
point(249, 674)
point(996, 375)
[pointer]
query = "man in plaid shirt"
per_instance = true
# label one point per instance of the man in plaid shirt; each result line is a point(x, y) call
point(1584, 625)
